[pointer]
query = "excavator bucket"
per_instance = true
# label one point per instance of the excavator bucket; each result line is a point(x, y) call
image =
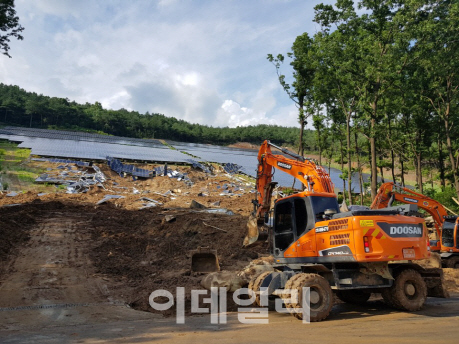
point(255, 232)
point(252, 231)
point(204, 260)
point(435, 282)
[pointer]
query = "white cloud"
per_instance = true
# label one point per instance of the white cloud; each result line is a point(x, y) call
point(204, 62)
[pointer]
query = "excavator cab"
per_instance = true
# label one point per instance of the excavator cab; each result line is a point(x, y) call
point(297, 215)
point(450, 234)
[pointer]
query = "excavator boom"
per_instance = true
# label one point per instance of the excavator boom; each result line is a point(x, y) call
point(314, 178)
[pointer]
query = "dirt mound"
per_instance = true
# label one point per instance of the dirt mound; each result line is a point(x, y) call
point(153, 253)
point(15, 223)
point(140, 248)
point(451, 280)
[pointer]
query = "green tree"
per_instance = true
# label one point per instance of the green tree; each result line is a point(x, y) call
point(300, 91)
point(438, 51)
point(9, 25)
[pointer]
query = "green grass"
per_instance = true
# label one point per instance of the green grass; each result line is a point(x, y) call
point(15, 171)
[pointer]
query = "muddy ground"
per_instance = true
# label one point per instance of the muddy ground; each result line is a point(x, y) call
point(116, 251)
point(63, 248)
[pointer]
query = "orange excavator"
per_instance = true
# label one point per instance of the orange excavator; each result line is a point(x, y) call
point(351, 254)
point(446, 226)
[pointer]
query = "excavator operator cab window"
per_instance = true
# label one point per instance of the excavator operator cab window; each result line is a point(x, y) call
point(301, 216)
point(447, 234)
point(283, 226)
point(283, 217)
point(322, 205)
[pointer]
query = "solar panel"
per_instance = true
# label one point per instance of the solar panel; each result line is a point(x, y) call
point(80, 145)
point(121, 168)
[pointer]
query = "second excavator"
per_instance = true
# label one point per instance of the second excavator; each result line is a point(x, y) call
point(446, 226)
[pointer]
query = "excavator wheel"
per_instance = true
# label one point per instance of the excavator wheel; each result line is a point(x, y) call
point(255, 284)
point(321, 296)
point(354, 296)
point(453, 263)
point(408, 293)
point(387, 297)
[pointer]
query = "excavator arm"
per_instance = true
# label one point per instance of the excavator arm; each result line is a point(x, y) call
point(312, 176)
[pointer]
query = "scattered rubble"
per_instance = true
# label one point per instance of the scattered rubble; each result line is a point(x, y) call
point(233, 280)
point(124, 169)
point(109, 197)
point(76, 178)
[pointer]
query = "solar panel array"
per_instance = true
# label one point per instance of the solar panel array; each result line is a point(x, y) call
point(67, 144)
point(79, 136)
point(80, 145)
point(63, 161)
point(246, 159)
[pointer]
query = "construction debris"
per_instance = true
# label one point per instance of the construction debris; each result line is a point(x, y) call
point(232, 168)
point(63, 161)
point(197, 205)
point(123, 169)
point(77, 178)
point(109, 197)
point(199, 166)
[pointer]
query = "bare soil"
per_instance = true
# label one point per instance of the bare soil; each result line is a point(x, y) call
point(64, 248)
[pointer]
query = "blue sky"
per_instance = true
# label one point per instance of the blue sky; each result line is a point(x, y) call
point(202, 61)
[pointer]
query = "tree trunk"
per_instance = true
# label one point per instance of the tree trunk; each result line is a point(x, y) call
point(402, 171)
point(441, 164)
point(392, 154)
point(349, 162)
point(392, 165)
point(449, 146)
point(357, 153)
point(319, 139)
point(301, 120)
point(381, 169)
point(374, 167)
point(419, 172)
point(342, 165)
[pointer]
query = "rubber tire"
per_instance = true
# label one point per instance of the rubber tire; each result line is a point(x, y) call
point(453, 263)
point(396, 296)
point(322, 309)
point(387, 297)
point(255, 284)
point(354, 296)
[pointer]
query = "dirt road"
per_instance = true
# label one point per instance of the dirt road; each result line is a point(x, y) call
point(376, 323)
point(53, 266)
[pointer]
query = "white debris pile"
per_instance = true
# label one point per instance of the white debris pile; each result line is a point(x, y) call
point(77, 179)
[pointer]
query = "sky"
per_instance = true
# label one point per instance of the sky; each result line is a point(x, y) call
point(203, 61)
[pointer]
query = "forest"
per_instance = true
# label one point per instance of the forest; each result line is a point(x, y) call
point(28, 109)
point(379, 80)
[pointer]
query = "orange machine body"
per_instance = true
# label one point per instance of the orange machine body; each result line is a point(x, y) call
point(359, 236)
point(448, 237)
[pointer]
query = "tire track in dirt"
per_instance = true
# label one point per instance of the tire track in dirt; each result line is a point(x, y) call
point(54, 266)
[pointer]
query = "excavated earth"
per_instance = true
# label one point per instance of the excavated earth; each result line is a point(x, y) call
point(64, 250)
